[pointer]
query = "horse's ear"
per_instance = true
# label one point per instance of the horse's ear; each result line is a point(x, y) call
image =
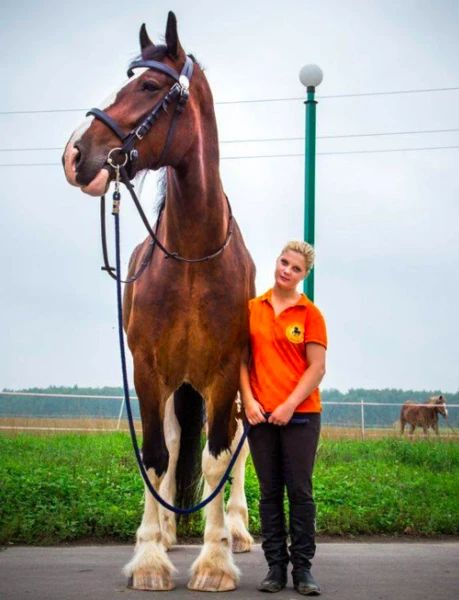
point(174, 49)
point(145, 41)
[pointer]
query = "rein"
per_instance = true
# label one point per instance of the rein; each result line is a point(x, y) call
point(121, 173)
point(137, 452)
point(111, 270)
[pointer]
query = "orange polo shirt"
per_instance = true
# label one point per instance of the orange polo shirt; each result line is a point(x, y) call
point(278, 350)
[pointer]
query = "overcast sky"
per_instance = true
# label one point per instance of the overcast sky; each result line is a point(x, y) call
point(387, 223)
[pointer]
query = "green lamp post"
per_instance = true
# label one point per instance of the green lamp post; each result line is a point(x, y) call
point(310, 76)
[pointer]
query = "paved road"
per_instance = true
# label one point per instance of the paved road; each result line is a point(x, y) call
point(348, 571)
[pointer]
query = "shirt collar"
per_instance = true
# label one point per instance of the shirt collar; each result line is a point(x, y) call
point(302, 301)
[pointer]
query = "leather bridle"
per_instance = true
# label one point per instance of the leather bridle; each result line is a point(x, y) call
point(122, 159)
point(126, 154)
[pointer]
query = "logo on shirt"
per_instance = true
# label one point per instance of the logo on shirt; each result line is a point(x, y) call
point(295, 333)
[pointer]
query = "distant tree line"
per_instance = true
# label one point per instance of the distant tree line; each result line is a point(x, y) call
point(38, 406)
point(337, 414)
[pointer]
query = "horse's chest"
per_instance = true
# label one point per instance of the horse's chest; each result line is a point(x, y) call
point(199, 317)
point(188, 311)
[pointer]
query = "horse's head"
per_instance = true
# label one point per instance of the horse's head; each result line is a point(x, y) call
point(142, 119)
point(440, 404)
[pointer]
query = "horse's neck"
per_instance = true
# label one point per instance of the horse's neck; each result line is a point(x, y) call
point(196, 214)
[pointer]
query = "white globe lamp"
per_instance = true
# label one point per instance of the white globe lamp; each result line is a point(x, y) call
point(311, 76)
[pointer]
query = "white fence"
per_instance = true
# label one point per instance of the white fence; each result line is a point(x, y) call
point(361, 418)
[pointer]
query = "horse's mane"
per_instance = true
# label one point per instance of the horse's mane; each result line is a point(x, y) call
point(161, 186)
point(436, 400)
point(154, 52)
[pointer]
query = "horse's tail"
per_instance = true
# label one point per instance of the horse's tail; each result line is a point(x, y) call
point(189, 409)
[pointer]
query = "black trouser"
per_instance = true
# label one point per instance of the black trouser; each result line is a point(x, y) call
point(283, 456)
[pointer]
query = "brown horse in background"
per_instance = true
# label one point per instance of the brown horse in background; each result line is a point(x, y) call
point(186, 322)
point(423, 415)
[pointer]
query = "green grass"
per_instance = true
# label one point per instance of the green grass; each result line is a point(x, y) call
point(67, 488)
point(388, 486)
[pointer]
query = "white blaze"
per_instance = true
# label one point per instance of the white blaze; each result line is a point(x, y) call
point(108, 101)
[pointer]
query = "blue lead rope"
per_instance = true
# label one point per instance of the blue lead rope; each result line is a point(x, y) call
point(154, 493)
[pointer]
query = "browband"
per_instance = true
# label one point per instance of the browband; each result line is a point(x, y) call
point(158, 66)
point(179, 90)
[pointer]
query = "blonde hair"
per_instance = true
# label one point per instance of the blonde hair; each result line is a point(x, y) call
point(303, 248)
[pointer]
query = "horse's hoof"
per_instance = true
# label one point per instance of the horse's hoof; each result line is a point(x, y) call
point(209, 581)
point(241, 545)
point(147, 580)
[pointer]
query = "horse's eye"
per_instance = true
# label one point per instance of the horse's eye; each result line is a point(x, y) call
point(149, 86)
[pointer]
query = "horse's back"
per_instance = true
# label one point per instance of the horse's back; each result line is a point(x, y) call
point(418, 414)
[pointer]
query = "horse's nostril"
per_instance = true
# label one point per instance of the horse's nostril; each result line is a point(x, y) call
point(76, 155)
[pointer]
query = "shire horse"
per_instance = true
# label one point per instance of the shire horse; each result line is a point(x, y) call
point(186, 322)
point(423, 415)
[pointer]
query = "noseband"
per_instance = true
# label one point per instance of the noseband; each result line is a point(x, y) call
point(126, 155)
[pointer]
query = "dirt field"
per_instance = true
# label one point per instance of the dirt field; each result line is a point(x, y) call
point(46, 425)
point(92, 425)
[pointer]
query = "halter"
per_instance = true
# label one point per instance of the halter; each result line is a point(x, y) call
point(126, 154)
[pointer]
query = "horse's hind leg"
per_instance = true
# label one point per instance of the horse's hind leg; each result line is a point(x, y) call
point(168, 485)
point(214, 570)
point(237, 513)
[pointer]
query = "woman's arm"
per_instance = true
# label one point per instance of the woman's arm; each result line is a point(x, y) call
point(252, 408)
point(315, 356)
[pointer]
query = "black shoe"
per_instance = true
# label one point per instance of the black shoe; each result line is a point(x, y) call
point(275, 580)
point(305, 584)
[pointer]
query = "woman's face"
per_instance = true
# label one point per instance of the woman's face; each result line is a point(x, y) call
point(290, 270)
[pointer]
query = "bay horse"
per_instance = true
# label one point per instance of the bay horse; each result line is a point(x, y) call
point(186, 322)
point(423, 415)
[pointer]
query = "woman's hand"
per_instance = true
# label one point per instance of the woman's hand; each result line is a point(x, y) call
point(282, 414)
point(254, 412)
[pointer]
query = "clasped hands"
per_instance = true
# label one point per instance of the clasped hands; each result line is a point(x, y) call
point(280, 416)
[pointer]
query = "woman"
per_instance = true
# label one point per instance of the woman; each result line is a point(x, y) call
point(279, 377)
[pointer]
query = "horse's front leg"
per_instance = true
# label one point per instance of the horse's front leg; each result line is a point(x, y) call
point(237, 513)
point(150, 567)
point(214, 570)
